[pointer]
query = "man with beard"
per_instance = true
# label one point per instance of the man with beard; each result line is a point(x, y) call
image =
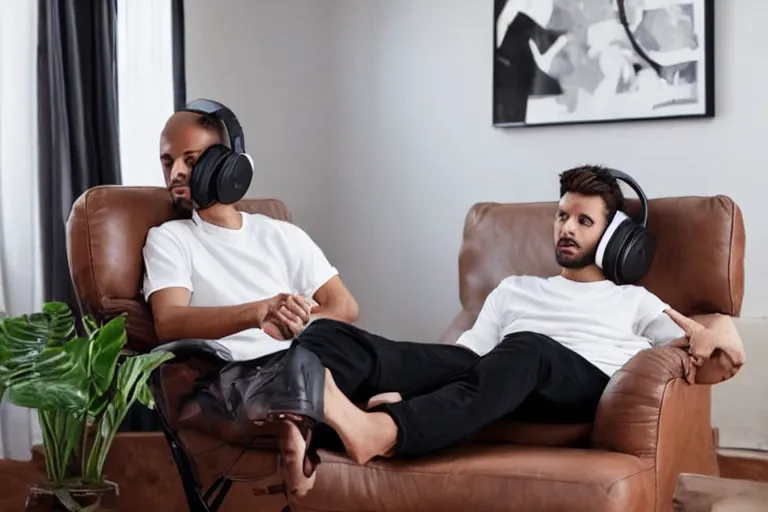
point(245, 280)
point(541, 349)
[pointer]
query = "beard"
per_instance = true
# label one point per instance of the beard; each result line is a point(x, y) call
point(578, 259)
point(180, 202)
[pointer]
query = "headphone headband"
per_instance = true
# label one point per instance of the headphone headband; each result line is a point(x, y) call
point(629, 180)
point(221, 112)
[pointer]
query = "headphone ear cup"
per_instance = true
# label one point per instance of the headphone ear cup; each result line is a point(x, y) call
point(204, 178)
point(613, 250)
point(234, 178)
point(636, 256)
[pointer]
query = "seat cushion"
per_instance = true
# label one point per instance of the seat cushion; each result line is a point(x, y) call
point(485, 478)
point(507, 431)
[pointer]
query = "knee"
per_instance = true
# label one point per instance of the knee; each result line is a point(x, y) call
point(320, 328)
point(532, 348)
point(323, 329)
point(530, 345)
point(323, 324)
point(525, 342)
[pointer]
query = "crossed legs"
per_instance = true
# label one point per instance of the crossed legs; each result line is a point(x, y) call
point(441, 394)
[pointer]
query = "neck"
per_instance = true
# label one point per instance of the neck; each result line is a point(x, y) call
point(588, 274)
point(222, 215)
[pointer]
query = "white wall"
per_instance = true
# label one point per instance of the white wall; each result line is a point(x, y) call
point(372, 121)
point(739, 407)
point(416, 147)
point(269, 62)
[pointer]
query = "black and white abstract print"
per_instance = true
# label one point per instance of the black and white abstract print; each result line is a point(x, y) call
point(577, 61)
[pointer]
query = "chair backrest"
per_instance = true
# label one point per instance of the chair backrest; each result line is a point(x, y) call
point(698, 268)
point(106, 231)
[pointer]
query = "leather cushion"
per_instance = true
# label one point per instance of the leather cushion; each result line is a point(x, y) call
point(488, 478)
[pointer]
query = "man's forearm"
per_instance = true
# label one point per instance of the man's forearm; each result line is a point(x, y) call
point(211, 323)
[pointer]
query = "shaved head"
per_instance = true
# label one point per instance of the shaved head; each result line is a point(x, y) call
point(183, 120)
point(185, 137)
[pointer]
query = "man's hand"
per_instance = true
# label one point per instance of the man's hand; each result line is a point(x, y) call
point(714, 347)
point(721, 335)
point(286, 316)
point(715, 351)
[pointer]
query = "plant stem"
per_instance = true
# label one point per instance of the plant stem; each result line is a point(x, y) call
point(90, 470)
point(114, 415)
point(48, 447)
point(104, 452)
point(84, 447)
point(55, 460)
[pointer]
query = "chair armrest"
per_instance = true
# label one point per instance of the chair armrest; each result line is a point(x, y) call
point(628, 416)
point(650, 411)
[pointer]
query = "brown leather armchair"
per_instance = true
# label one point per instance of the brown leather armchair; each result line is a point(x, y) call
point(651, 425)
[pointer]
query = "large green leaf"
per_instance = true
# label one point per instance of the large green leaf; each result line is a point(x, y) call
point(132, 385)
point(132, 377)
point(105, 347)
point(41, 365)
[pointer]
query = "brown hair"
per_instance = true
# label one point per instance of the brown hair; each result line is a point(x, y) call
point(594, 180)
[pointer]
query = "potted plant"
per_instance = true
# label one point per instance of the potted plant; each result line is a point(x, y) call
point(82, 388)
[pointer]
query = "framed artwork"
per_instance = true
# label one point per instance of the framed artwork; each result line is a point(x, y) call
point(590, 61)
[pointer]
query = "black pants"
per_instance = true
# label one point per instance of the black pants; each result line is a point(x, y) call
point(449, 392)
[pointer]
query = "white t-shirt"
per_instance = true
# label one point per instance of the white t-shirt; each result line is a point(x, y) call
point(604, 323)
point(228, 267)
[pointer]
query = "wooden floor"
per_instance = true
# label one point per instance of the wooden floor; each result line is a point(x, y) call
point(15, 480)
point(16, 477)
point(143, 467)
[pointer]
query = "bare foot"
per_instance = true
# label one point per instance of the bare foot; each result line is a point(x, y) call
point(384, 398)
point(365, 435)
point(293, 447)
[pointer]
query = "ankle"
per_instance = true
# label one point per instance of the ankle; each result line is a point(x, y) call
point(330, 394)
point(377, 437)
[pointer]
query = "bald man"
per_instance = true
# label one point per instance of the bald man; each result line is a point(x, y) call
point(248, 281)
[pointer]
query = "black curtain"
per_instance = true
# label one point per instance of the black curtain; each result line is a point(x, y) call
point(78, 121)
point(179, 65)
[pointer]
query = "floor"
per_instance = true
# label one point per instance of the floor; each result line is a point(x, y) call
point(153, 490)
point(15, 479)
point(142, 465)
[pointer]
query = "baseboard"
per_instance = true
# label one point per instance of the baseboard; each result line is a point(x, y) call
point(743, 464)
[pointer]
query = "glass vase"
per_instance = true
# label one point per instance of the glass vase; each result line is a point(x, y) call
point(46, 497)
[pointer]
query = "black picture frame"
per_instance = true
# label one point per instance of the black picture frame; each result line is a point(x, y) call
point(660, 77)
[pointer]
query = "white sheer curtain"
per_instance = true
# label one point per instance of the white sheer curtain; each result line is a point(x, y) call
point(145, 74)
point(20, 258)
point(145, 86)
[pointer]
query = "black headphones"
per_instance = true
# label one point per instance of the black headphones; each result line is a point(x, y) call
point(626, 249)
point(220, 174)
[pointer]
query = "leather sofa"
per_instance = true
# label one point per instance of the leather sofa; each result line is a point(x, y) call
point(651, 425)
